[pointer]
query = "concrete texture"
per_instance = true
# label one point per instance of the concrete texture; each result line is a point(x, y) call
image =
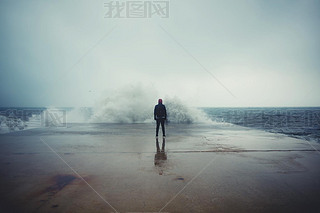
point(120, 168)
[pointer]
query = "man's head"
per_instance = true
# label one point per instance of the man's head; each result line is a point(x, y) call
point(160, 101)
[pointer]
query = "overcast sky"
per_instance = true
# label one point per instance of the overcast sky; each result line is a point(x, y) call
point(210, 53)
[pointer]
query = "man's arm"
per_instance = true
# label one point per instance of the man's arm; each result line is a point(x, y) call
point(165, 112)
point(154, 113)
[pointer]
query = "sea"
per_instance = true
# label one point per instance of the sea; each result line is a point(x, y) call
point(297, 122)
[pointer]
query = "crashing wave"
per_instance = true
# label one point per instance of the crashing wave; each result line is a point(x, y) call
point(132, 104)
point(135, 104)
point(180, 113)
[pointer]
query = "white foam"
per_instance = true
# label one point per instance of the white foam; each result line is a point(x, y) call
point(10, 124)
point(182, 113)
point(132, 104)
point(135, 104)
point(79, 115)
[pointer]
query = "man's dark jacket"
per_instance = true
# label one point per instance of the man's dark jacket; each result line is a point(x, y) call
point(160, 112)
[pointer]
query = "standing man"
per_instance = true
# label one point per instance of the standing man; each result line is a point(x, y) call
point(160, 115)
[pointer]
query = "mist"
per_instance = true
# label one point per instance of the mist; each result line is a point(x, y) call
point(206, 53)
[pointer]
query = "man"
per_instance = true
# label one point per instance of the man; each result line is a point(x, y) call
point(160, 115)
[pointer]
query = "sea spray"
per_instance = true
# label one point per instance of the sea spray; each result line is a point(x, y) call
point(79, 115)
point(135, 104)
point(131, 104)
point(179, 112)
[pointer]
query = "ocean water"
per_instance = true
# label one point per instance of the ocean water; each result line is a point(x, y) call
point(303, 123)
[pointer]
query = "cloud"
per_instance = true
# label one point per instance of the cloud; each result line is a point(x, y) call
point(63, 54)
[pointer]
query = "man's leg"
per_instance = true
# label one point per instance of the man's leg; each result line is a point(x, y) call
point(157, 128)
point(162, 127)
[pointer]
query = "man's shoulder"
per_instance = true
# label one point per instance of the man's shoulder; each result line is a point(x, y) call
point(160, 105)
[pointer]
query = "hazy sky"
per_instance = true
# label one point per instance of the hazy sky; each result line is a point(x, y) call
point(210, 53)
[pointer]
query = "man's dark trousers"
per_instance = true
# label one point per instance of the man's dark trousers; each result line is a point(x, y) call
point(160, 121)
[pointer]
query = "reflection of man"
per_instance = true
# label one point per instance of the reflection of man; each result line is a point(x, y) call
point(160, 157)
point(160, 115)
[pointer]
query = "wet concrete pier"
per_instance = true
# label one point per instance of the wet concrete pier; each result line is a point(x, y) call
point(123, 168)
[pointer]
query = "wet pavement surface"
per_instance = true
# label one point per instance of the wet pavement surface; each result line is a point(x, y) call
point(124, 168)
